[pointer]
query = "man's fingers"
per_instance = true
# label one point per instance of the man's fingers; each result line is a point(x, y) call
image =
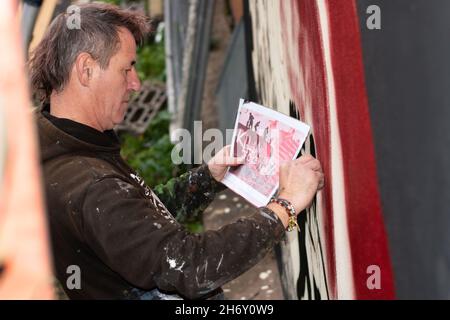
point(314, 165)
point(321, 181)
point(228, 161)
point(317, 167)
point(226, 158)
point(227, 149)
point(305, 158)
point(234, 161)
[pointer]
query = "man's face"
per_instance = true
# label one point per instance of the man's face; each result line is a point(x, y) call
point(113, 86)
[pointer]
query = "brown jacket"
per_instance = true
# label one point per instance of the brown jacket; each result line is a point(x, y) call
point(127, 244)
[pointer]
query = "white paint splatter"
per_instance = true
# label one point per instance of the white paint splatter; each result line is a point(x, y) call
point(206, 266)
point(265, 275)
point(157, 225)
point(179, 268)
point(124, 186)
point(173, 264)
point(220, 262)
point(265, 215)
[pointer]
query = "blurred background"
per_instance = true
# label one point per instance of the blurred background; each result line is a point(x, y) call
point(376, 99)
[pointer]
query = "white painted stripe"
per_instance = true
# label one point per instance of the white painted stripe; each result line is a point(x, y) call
point(344, 271)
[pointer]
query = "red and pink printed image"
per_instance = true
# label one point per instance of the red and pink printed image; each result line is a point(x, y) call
point(266, 139)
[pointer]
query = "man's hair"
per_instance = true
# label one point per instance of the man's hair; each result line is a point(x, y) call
point(51, 62)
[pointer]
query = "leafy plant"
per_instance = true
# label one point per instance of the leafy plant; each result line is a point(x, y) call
point(151, 62)
point(115, 2)
point(150, 153)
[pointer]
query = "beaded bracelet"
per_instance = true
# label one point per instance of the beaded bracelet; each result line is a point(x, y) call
point(292, 222)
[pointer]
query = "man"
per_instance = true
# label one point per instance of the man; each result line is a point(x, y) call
point(104, 220)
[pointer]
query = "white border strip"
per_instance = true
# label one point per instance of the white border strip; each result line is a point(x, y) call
point(344, 271)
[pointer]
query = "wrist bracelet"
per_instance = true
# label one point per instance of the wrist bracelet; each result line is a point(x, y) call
point(292, 222)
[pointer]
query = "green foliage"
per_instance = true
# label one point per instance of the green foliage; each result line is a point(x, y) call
point(194, 226)
point(151, 62)
point(115, 2)
point(150, 153)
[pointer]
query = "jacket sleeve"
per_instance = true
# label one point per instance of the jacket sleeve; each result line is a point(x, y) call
point(137, 238)
point(189, 195)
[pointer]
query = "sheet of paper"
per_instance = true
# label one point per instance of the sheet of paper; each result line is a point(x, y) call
point(267, 139)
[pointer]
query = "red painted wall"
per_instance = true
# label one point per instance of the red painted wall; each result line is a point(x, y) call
point(303, 41)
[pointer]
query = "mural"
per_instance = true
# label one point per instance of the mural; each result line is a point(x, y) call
point(302, 56)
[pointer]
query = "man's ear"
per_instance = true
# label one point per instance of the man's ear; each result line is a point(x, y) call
point(84, 68)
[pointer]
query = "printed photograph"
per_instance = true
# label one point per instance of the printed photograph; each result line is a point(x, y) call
point(265, 138)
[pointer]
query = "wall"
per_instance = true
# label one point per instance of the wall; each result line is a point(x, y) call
point(307, 62)
point(408, 79)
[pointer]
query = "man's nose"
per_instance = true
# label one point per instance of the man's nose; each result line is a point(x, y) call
point(134, 83)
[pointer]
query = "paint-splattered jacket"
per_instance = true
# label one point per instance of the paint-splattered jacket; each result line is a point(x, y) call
point(125, 241)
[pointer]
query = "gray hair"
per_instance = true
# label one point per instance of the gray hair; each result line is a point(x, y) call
point(51, 62)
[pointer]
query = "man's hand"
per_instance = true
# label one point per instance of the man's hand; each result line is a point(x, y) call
point(300, 179)
point(219, 164)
